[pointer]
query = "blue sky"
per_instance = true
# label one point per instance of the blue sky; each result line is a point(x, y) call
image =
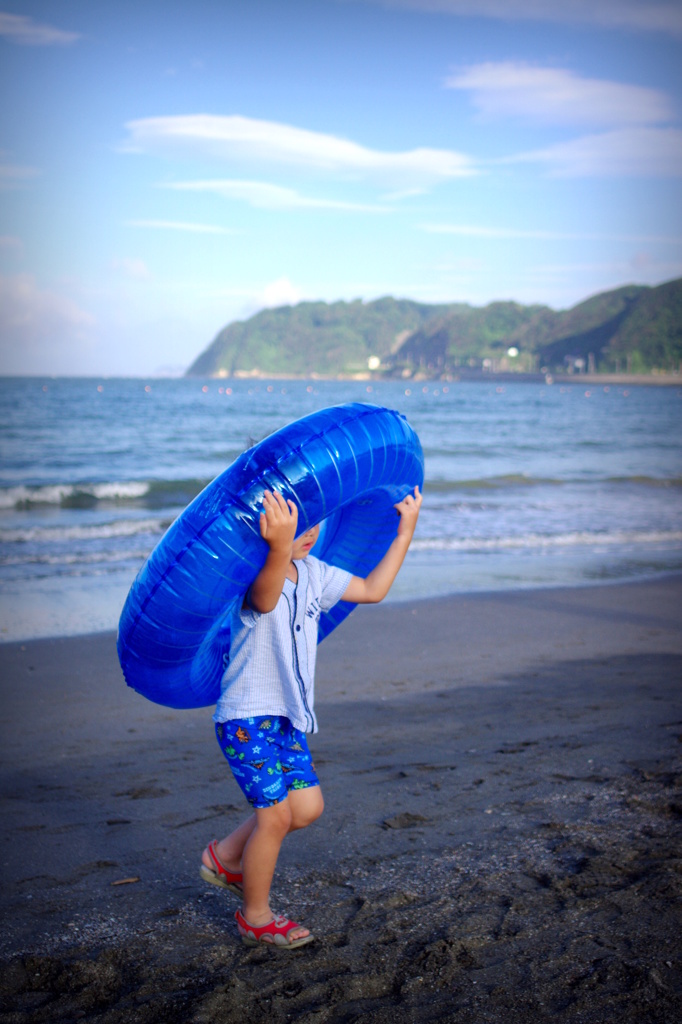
point(168, 168)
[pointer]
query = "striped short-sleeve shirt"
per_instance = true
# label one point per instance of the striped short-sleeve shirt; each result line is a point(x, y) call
point(271, 670)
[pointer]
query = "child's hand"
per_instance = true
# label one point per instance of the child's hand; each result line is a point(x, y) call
point(408, 510)
point(374, 587)
point(278, 522)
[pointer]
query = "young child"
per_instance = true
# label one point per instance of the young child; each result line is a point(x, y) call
point(266, 706)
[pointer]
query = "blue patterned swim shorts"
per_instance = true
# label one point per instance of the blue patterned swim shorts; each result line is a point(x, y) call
point(268, 757)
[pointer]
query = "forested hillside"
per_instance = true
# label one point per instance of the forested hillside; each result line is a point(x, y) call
point(636, 329)
point(314, 338)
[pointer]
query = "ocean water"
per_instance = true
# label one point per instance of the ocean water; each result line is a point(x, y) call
point(527, 485)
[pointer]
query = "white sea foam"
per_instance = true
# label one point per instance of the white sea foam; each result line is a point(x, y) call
point(98, 531)
point(92, 558)
point(118, 489)
point(53, 494)
point(57, 494)
point(534, 540)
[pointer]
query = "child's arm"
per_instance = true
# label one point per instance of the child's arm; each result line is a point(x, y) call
point(375, 587)
point(278, 524)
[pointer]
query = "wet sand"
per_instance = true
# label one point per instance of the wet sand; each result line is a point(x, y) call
point(502, 839)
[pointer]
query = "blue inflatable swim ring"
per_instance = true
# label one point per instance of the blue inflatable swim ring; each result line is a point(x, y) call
point(345, 468)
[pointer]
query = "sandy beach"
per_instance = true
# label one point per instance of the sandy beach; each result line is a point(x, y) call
point(502, 839)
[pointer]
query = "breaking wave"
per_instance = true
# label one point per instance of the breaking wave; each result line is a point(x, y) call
point(150, 493)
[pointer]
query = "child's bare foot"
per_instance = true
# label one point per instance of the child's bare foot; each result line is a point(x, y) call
point(215, 871)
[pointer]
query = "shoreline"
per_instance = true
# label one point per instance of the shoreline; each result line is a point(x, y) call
point(465, 376)
point(397, 602)
point(501, 839)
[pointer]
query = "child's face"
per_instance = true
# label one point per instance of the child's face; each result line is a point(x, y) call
point(304, 543)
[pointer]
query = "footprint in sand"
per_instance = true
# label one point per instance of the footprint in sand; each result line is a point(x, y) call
point(404, 820)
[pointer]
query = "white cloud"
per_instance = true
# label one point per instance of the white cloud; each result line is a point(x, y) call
point(280, 293)
point(485, 231)
point(234, 138)
point(640, 268)
point(250, 300)
point(270, 197)
point(558, 96)
point(650, 270)
point(11, 245)
point(13, 175)
point(35, 324)
point(662, 16)
point(624, 152)
point(27, 32)
point(174, 225)
point(404, 193)
point(134, 268)
point(482, 231)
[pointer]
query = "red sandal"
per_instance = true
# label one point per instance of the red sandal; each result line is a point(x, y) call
point(218, 875)
point(272, 934)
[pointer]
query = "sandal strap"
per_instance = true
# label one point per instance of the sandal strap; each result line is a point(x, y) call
point(274, 932)
point(229, 875)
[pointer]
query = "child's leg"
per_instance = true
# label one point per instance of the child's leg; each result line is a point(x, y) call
point(306, 806)
point(271, 762)
point(229, 850)
point(259, 859)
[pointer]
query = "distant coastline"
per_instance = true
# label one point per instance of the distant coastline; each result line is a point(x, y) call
point(464, 376)
point(472, 376)
point(626, 334)
point(627, 379)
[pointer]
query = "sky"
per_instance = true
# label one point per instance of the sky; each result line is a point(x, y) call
point(168, 168)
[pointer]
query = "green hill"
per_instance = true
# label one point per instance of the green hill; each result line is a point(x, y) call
point(585, 332)
point(634, 328)
point(313, 338)
point(651, 335)
point(466, 337)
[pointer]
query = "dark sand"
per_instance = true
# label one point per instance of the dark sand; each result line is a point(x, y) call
point(502, 838)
